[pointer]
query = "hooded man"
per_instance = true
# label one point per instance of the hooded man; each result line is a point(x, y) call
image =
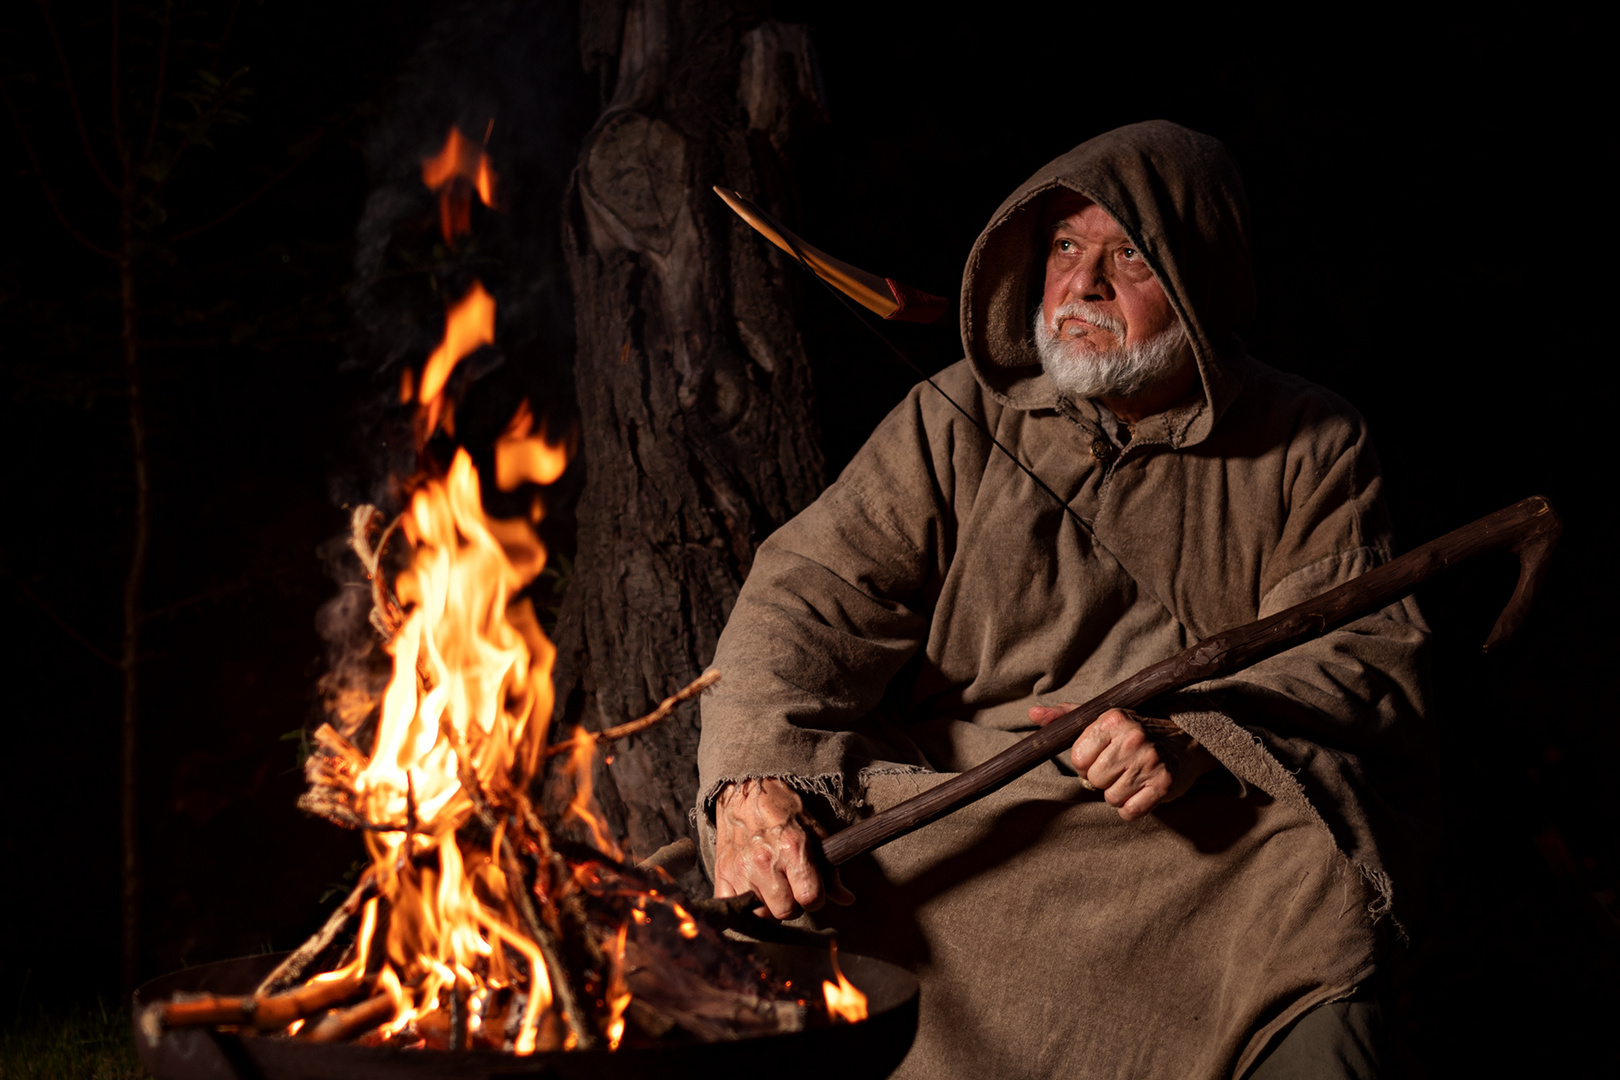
point(1176, 894)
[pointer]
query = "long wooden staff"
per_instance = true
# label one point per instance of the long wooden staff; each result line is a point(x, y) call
point(1529, 529)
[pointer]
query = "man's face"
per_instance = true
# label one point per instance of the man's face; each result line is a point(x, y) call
point(1100, 294)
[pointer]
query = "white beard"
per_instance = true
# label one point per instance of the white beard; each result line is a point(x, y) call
point(1120, 372)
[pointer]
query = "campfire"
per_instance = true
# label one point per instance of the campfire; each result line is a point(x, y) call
point(488, 918)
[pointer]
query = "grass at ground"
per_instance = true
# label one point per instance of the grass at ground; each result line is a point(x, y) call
point(73, 1042)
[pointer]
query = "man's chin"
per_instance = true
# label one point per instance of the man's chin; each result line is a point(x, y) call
point(1082, 378)
point(1073, 354)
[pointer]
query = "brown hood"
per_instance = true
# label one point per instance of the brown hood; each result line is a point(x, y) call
point(1178, 196)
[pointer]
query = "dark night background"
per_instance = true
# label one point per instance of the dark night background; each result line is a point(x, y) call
point(1433, 226)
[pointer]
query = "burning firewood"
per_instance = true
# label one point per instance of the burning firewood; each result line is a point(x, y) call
point(482, 921)
point(341, 1025)
point(292, 969)
point(265, 1013)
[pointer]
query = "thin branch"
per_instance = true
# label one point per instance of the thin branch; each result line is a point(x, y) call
point(386, 616)
point(73, 100)
point(268, 184)
point(186, 143)
point(216, 593)
point(162, 71)
point(45, 189)
point(115, 84)
point(50, 613)
point(219, 46)
point(665, 710)
point(135, 577)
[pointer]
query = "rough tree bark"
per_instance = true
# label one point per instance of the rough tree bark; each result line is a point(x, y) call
point(693, 383)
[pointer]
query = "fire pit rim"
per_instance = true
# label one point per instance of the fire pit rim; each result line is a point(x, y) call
point(872, 1048)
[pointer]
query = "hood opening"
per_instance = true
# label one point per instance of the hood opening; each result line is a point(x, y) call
point(1178, 196)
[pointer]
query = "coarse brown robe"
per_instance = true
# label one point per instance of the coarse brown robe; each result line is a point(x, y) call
point(900, 628)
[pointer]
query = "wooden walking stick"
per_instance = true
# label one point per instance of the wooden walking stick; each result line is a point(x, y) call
point(1529, 529)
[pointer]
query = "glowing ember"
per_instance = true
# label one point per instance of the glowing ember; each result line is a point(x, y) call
point(689, 928)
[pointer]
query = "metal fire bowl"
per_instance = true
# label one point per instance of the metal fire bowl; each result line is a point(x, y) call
point(870, 1049)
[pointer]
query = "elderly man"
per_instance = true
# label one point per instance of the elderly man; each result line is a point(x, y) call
point(1201, 892)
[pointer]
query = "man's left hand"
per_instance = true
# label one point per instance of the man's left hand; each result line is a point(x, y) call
point(1136, 762)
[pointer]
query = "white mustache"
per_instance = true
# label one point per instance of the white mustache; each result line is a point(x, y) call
point(1102, 370)
point(1079, 309)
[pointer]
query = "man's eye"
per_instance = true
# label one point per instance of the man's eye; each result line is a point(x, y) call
point(1064, 246)
point(1129, 253)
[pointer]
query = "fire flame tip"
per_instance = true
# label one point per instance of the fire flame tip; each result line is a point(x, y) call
point(468, 325)
point(844, 1001)
point(458, 169)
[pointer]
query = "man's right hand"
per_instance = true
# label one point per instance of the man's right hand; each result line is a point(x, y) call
point(762, 846)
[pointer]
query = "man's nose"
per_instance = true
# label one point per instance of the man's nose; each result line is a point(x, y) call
point(1090, 281)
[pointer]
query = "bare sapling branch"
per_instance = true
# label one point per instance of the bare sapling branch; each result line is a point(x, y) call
point(665, 710)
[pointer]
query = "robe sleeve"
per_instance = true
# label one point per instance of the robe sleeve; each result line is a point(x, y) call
point(833, 607)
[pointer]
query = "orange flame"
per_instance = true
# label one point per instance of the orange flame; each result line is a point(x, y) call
point(581, 759)
point(456, 170)
point(524, 458)
point(844, 1002)
point(470, 696)
point(467, 677)
point(688, 926)
point(618, 994)
point(469, 324)
point(459, 168)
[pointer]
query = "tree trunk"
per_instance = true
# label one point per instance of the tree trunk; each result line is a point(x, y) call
point(140, 534)
point(696, 435)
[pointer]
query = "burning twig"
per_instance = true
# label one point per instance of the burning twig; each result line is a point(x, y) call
point(341, 1025)
point(292, 969)
point(665, 710)
point(385, 613)
point(562, 985)
point(340, 748)
point(578, 1024)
